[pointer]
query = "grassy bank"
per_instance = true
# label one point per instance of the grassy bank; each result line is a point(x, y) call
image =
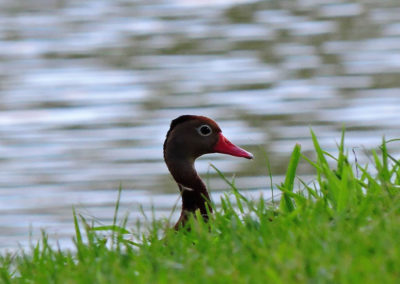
point(342, 228)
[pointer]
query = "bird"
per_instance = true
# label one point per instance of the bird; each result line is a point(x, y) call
point(189, 137)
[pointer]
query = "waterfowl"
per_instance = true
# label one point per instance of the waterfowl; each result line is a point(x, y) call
point(188, 138)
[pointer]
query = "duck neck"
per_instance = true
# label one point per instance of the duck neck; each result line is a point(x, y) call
point(193, 191)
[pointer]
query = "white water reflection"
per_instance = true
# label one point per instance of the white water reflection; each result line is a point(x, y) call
point(88, 91)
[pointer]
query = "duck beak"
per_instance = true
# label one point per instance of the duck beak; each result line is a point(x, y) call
point(225, 146)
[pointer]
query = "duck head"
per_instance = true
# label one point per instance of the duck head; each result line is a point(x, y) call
point(190, 137)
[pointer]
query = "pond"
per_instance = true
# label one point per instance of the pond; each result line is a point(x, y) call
point(88, 89)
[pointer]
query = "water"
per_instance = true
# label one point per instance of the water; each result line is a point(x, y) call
point(88, 89)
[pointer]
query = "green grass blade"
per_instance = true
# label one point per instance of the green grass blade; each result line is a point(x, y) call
point(342, 158)
point(115, 217)
point(318, 149)
point(77, 228)
point(286, 202)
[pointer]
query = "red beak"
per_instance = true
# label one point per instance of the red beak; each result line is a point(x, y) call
point(224, 146)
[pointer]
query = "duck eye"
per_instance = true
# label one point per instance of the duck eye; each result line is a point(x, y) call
point(204, 130)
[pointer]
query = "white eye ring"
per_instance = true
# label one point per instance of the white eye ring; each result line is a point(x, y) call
point(204, 130)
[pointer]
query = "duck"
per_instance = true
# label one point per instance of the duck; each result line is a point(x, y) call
point(189, 137)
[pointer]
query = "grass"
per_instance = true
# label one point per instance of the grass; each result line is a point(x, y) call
point(344, 227)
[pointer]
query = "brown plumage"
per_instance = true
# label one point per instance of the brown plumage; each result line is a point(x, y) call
point(188, 138)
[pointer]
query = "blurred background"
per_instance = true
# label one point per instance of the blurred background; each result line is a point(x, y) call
point(88, 89)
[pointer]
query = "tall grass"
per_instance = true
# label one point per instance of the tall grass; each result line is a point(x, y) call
point(343, 227)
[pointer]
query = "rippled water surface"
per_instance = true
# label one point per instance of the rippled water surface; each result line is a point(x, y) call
point(88, 89)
